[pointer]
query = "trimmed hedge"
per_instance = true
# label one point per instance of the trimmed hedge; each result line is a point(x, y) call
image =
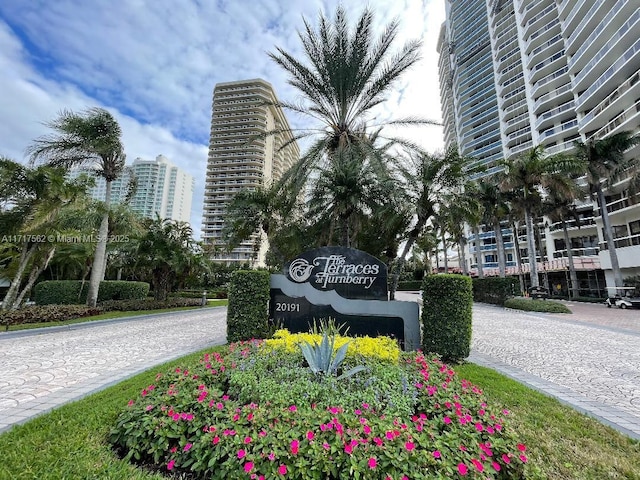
point(446, 316)
point(531, 305)
point(411, 285)
point(74, 292)
point(495, 289)
point(148, 304)
point(216, 293)
point(46, 313)
point(248, 310)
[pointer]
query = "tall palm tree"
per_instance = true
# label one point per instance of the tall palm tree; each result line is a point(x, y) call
point(495, 208)
point(345, 74)
point(33, 199)
point(526, 178)
point(606, 164)
point(90, 137)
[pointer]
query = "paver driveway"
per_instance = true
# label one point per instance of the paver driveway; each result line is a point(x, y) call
point(42, 370)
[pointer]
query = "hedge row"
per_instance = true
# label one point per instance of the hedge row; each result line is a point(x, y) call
point(74, 292)
point(248, 310)
point(531, 305)
point(495, 289)
point(217, 293)
point(446, 316)
point(61, 313)
point(411, 285)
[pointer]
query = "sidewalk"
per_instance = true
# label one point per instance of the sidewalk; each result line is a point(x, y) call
point(46, 368)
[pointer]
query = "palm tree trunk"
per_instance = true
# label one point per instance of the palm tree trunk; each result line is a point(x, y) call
point(516, 244)
point(100, 258)
point(608, 237)
point(463, 260)
point(533, 264)
point(573, 290)
point(502, 267)
point(480, 268)
point(33, 276)
point(444, 251)
point(399, 265)
point(14, 288)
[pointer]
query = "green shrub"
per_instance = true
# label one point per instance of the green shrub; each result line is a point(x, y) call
point(148, 304)
point(216, 293)
point(247, 413)
point(248, 310)
point(74, 292)
point(531, 305)
point(495, 289)
point(411, 285)
point(446, 316)
point(46, 313)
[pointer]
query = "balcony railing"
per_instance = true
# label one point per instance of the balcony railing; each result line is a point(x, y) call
point(621, 90)
point(622, 242)
point(577, 252)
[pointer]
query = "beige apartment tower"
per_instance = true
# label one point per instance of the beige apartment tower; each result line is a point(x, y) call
point(238, 160)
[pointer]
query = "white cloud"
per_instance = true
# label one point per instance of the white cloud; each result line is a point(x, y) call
point(154, 64)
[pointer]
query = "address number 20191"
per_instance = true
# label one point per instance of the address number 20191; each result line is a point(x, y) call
point(287, 307)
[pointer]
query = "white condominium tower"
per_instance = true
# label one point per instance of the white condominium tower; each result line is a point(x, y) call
point(162, 189)
point(238, 160)
point(562, 70)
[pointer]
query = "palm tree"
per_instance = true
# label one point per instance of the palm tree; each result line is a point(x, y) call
point(526, 178)
point(347, 73)
point(606, 164)
point(429, 181)
point(495, 207)
point(90, 137)
point(33, 199)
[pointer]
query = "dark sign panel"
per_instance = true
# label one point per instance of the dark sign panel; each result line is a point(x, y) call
point(297, 314)
point(351, 273)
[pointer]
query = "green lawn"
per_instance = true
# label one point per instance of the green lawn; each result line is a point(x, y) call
point(112, 315)
point(69, 443)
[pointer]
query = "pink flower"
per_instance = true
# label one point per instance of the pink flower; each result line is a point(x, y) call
point(216, 440)
point(241, 453)
point(272, 456)
point(248, 467)
point(294, 446)
point(348, 449)
point(479, 427)
point(130, 403)
point(409, 446)
point(523, 458)
point(366, 429)
point(437, 454)
point(478, 465)
point(389, 435)
point(310, 435)
point(446, 420)
point(505, 458)
point(496, 466)
point(293, 408)
point(521, 447)
point(462, 469)
point(247, 440)
point(372, 463)
point(282, 469)
point(187, 447)
point(171, 464)
point(326, 446)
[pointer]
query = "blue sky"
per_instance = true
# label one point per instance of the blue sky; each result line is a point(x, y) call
point(154, 63)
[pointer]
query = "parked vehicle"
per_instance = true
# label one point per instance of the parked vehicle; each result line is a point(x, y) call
point(622, 297)
point(538, 292)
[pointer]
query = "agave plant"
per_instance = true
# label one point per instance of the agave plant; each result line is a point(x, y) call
point(322, 360)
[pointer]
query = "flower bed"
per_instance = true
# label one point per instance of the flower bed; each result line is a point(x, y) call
point(257, 412)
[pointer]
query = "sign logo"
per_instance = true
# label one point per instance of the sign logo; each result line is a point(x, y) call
point(300, 270)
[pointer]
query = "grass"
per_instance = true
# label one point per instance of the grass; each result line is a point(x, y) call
point(561, 443)
point(111, 316)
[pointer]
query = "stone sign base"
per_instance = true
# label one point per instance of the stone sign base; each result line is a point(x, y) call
point(295, 306)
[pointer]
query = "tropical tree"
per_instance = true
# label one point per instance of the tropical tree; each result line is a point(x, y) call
point(495, 207)
point(346, 73)
point(428, 182)
point(90, 137)
point(607, 164)
point(527, 178)
point(32, 200)
point(168, 252)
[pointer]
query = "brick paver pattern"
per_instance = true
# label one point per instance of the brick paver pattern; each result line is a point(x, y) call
point(44, 370)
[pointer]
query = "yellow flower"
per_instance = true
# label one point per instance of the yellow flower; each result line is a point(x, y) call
point(381, 348)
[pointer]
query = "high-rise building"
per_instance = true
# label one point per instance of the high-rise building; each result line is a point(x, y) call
point(562, 70)
point(242, 157)
point(161, 188)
